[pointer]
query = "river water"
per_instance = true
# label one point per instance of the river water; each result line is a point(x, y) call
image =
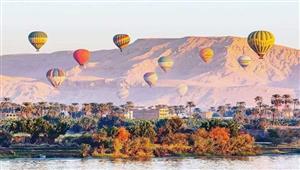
point(280, 162)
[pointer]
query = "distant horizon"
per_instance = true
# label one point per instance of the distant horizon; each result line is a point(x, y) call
point(133, 41)
point(91, 25)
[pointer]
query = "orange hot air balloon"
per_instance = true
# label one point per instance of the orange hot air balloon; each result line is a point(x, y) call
point(207, 54)
point(82, 56)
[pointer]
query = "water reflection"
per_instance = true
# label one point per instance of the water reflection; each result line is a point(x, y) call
point(282, 162)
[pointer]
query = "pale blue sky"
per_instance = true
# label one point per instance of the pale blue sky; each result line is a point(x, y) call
point(91, 25)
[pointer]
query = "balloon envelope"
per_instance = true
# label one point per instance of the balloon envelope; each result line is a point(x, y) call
point(37, 39)
point(206, 54)
point(244, 61)
point(151, 78)
point(182, 89)
point(82, 56)
point(261, 42)
point(123, 93)
point(165, 63)
point(121, 41)
point(56, 76)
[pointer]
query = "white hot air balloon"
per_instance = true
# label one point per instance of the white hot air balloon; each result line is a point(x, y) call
point(123, 93)
point(182, 89)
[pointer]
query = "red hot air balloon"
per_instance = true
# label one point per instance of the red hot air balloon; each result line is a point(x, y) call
point(82, 56)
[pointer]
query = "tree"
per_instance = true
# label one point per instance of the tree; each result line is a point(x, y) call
point(27, 110)
point(5, 138)
point(110, 106)
point(221, 110)
point(295, 103)
point(287, 100)
point(142, 128)
point(190, 105)
point(139, 148)
point(95, 109)
point(86, 108)
point(123, 135)
point(88, 123)
point(276, 101)
point(259, 103)
point(129, 105)
point(6, 105)
point(220, 137)
point(103, 109)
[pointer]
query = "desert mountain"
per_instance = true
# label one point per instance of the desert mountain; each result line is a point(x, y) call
point(110, 71)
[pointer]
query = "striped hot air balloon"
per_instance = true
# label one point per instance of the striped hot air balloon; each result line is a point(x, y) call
point(82, 56)
point(121, 40)
point(150, 78)
point(37, 39)
point(165, 63)
point(56, 77)
point(207, 54)
point(244, 61)
point(261, 42)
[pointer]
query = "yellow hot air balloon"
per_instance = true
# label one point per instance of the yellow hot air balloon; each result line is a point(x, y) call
point(244, 61)
point(207, 54)
point(150, 78)
point(165, 63)
point(37, 39)
point(261, 42)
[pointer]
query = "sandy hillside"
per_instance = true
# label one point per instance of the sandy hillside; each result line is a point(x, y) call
point(109, 71)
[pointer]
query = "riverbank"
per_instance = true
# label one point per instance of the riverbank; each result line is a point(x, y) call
point(56, 151)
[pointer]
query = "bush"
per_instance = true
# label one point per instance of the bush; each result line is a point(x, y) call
point(5, 139)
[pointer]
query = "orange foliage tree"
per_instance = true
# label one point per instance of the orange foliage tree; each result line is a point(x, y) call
point(123, 135)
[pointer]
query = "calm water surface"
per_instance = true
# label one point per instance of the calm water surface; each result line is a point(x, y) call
point(280, 162)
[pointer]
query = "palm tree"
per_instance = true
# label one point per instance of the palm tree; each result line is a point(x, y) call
point(94, 108)
point(228, 106)
point(221, 110)
point(86, 108)
point(190, 105)
point(212, 109)
point(6, 105)
point(264, 109)
point(27, 110)
point(110, 106)
point(103, 108)
point(130, 105)
point(241, 106)
point(296, 103)
point(287, 100)
point(73, 109)
point(276, 101)
point(259, 103)
point(41, 106)
point(54, 109)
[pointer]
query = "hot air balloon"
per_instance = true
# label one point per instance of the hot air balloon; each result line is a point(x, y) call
point(244, 61)
point(123, 93)
point(56, 77)
point(37, 39)
point(206, 54)
point(150, 78)
point(182, 89)
point(261, 42)
point(165, 63)
point(121, 40)
point(82, 56)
